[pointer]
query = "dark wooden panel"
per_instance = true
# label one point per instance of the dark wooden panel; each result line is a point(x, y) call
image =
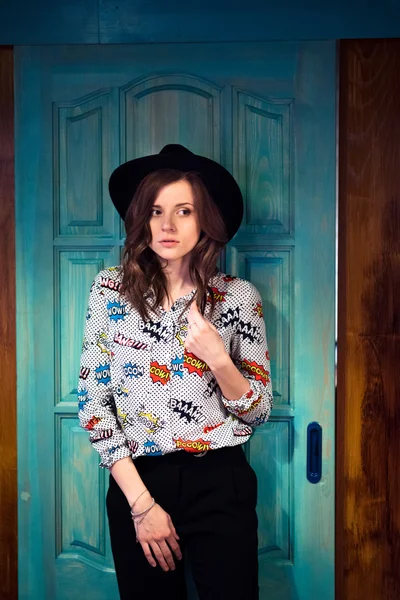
point(8, 443)
point(368, 443)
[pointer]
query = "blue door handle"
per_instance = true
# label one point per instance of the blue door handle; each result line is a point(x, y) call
point(314, 452)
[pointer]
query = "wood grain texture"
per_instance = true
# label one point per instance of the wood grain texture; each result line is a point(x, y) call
point(294, 272)
point(8, 444)
point(368, 526)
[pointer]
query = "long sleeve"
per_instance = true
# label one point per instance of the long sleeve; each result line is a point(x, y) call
point(249, 352)
point(97, 410)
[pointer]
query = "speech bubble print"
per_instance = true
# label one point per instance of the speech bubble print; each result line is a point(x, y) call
point(230, 317)
point(101, 434)
point(211, 389)
point(192, 445)
point(186, 410)
point(218, 295)
point(152, 448)
point(149, 420)
point(120, 390)
point(156, 330)
point(84, 372)
point(248, 331)
point(159, 373)
point(133, 370)
point(252, 406)
point(242, 429)
point(102, 374)
point(104, 344)
point(181, 334)
point(260, 420)
point(133, 446)
point(83, 399)
point(124, 419)
point(111, 284)
point(194, 364)
point(177, 366)
point(122, 340)
point(255, 369)
point(258, 309)
point(116, 311)
point(209, 428)
point(93, 422)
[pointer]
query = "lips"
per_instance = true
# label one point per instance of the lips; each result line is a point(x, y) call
point(169, 243)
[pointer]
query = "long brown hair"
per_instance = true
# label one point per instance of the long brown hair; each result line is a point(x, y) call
point(141, 267)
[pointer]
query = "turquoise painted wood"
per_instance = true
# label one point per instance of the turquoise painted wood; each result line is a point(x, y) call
point(267, 112)
point(132, 21)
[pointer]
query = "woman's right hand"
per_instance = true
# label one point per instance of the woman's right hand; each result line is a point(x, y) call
point(156, 533)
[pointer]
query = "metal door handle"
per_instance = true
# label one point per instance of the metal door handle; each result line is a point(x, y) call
point(314, 452)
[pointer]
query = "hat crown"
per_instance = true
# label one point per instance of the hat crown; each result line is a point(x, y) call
point(175, 149)
point(222, 187)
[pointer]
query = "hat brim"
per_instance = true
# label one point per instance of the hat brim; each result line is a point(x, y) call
point(220, 184)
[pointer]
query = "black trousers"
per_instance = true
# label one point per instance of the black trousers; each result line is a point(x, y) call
point(211, 500)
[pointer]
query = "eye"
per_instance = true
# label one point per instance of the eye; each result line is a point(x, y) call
point(155, 212)
point(185, 211)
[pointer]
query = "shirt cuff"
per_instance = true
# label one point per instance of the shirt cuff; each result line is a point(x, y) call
point(112, 455)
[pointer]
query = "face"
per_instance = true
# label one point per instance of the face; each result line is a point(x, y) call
point(174, 222)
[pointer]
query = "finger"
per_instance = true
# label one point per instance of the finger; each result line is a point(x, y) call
point(148, 554)
point(159, 556)
point(194, 315)
point(194, 307)
point(173, 544)
point(193, 327)
point(165, 549)
point(172, 526)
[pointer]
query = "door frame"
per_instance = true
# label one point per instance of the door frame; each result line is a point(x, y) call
point(8, 359)
point(348, 154)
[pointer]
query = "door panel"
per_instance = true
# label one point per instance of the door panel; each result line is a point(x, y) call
point(265, 111)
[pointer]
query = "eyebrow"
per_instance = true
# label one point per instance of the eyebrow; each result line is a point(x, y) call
point(176, 205)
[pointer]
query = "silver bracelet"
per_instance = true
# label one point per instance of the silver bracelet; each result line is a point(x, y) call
point(133, 503)
point(143, 512)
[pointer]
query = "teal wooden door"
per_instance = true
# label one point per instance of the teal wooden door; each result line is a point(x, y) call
point(265, 111)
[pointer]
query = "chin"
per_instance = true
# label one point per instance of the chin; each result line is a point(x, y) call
point(171, 254)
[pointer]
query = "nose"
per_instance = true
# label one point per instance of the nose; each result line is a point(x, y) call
point(168, 223)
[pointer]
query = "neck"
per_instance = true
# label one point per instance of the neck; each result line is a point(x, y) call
point(178, 277)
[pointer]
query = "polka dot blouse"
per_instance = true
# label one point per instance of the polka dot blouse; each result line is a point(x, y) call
point(142, 393)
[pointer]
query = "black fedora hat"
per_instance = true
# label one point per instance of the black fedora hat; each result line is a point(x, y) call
point(222, 187)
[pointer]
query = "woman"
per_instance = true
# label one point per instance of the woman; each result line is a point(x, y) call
point(174, 375)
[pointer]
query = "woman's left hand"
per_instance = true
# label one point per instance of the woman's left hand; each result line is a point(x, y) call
point(203, 339)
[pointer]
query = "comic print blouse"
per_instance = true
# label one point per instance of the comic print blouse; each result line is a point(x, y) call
point(141, 393)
